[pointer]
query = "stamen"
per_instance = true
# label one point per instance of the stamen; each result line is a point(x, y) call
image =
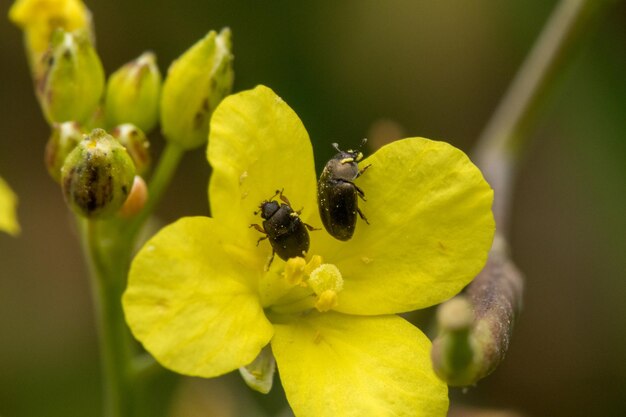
point(296, 269)
point(326, 281)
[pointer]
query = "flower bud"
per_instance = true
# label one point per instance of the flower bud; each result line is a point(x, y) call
point(97, 175)
point(133, 92)
point(136, 144)
point(136, 199)
point(39, 19)
point(194, 86)
point(63, 140)
point(72, 81)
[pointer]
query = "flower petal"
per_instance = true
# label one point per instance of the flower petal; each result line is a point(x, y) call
point(8, 204)
point(431, 226)
point(191, 303)
point(257, 145)
point(333, 364)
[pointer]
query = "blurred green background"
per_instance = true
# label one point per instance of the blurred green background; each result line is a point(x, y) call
point(433, 69)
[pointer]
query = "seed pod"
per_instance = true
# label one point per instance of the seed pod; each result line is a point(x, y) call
point(195, 84)
point(136, 144)
point(133, 92)
point(97, 176)
point(63, 140)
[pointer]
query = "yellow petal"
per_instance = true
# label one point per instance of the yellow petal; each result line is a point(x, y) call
point(39, 18)
point(333, 365)
point(257, 145)
point(8, 205)
point(191, 303)
point(431, 226)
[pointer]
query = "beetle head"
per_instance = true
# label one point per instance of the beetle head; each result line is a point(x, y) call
point(268, 208)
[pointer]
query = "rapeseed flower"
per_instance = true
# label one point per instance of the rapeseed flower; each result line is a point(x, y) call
point(203, 301)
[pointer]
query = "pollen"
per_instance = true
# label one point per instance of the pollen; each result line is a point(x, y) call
point(326, 281)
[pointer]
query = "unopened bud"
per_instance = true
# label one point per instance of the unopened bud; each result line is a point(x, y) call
point(195, 84)
point(72, 81)
point(133, 93)
point(40, 18)
point(63, 140)
point(97, 175)
point(136, 199)
point(137, 145)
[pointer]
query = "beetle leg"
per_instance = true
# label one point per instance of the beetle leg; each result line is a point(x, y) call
point(284, 199)
point(358, 210)
point(311, 228)
point(360, 192)
point(356, 187)
point(362, 170)
point(267, 267)
point(260, 229)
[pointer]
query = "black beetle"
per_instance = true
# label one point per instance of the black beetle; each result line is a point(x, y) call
point(337, 193)
point(283, 227)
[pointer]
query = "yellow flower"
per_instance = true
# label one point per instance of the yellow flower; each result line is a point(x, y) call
point(39, 19)
point(8, 203)
point(201, 300)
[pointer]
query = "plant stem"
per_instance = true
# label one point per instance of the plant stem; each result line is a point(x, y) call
point(108, 274)
point(508, 132)
point(108, 246)
point(170, 158)
point(495, 296)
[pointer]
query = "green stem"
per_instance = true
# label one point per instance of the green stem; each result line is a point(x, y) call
point(108, 247)
point(463, 356)
point(170, 158)
point(507, 134)
point(108, 273)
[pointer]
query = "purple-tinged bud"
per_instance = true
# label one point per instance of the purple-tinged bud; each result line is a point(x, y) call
point(63, 140)
point(72, 80)
point(97, 176)
point(136, 144)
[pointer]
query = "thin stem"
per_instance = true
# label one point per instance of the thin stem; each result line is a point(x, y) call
point(108, 275)
point(170, 158)
point(508, 132)
point(495, 296)
point(108, 246)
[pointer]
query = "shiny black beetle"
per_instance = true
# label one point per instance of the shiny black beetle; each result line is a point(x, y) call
point(283, 227)
point(337, 194)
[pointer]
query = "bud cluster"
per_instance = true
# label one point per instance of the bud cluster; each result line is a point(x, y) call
point(97, 170)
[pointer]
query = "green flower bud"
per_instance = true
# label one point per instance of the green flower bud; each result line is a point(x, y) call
point(133, 93)
point(136, 144)
point(195, 84)
point(97, 175)
point(72, 81)
point(63, 140)
point(39, 18)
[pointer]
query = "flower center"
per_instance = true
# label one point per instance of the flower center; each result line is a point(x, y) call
point(302, 286)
